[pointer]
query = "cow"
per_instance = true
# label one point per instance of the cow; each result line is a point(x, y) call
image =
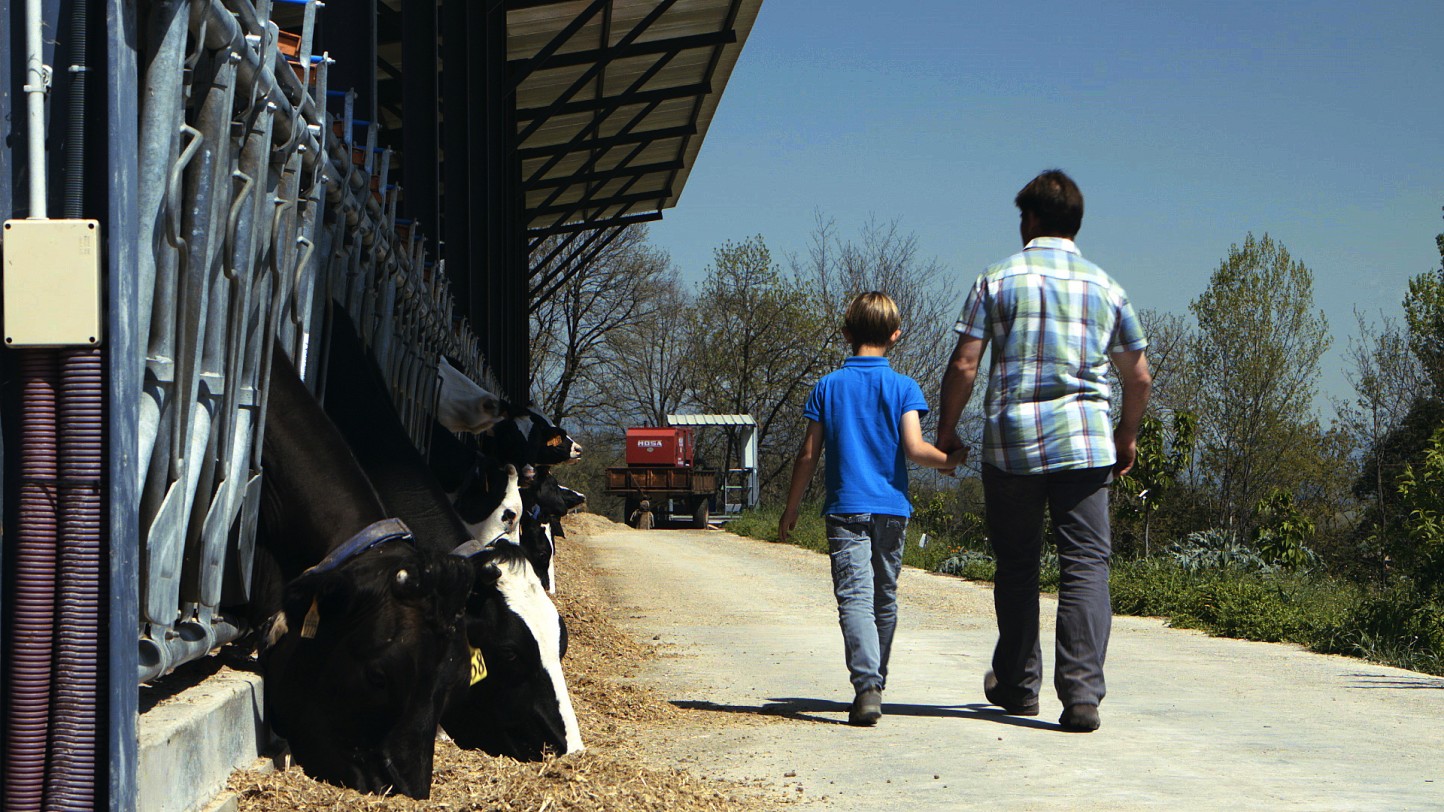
point(545, 501)
point(462, 405)
point(528, 438)
point(515, 635)
point(521, 639)
point(362, 639)
point(484, 491)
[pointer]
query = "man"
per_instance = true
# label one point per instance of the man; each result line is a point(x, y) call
point(1055, 320)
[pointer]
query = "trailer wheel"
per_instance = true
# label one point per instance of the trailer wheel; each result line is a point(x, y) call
point(700, 513)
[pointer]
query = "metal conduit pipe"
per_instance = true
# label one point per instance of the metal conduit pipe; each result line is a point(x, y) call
point(28, 703)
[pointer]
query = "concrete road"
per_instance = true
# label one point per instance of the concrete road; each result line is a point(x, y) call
point(748, 630)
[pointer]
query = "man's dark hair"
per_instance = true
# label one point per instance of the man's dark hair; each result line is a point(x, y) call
point(1054, 199)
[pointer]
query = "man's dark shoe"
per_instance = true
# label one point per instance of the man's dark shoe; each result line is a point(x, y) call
point(1080, 718)
point(866, 708)
point(990, 690)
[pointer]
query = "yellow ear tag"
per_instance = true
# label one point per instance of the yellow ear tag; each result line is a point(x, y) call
point(478, 666)
point(313, 619)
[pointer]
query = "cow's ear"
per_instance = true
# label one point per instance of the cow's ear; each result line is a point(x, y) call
point(272, 630)
point(313, 597)
point(486, 572)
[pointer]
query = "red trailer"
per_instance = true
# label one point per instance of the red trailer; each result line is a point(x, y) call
point(660, 469)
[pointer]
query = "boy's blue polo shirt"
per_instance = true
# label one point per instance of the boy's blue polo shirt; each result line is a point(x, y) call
point(860, 408)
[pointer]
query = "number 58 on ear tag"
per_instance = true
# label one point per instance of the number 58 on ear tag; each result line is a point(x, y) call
point(478, 666)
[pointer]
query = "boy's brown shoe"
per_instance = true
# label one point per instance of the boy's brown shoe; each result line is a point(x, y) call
point(866, 708)
point(990, 690)
point(1080, 718)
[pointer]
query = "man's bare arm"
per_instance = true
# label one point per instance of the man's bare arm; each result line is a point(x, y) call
point(957, 388)
point(1137, 386)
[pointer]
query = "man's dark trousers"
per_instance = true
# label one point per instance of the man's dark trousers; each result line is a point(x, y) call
point(1077, 500)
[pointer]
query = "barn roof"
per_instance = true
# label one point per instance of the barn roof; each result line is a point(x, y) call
point(613, 99)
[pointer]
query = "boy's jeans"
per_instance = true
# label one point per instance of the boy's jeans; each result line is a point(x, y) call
point(866, 551)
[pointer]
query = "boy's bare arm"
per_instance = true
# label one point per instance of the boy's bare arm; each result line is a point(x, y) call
point(802, 470)
point(957, 389)
point(923, 452)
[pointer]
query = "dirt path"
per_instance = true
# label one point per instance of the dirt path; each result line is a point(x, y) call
point(747, 633)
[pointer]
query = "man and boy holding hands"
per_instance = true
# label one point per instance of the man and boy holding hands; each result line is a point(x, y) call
point(1056, 322)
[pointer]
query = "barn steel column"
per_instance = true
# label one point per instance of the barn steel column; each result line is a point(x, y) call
point(455, 169)
point(507, 327)
point(419, 103)
point(120, 217)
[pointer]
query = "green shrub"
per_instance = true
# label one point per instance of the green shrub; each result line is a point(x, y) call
point(970, 564)
point(1215, 549)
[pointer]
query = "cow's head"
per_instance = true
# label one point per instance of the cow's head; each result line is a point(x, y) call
point(359, 663)
point(529, 438)
point(520, 707)
point(462, 405)
point(536, 540)
point(552, 498)
point(490, 505)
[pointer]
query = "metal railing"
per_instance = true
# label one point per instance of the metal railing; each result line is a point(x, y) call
point(260, 210)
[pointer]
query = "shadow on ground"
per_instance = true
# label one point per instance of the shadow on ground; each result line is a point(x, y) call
point(808, 710)
point(1392, 681)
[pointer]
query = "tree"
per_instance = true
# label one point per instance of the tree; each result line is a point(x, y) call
point(646, 361)
point(1424, 313)
point(760, 343)
point(1258, 347)
point(570, 330)
point(1387, 379)
point(1421, 487)
point(1166, 445)
point(1175, 379)
point(884, 258)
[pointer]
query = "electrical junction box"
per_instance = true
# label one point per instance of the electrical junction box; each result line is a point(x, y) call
point(52, 283)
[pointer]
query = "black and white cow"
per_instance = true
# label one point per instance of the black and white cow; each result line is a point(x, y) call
point(545, 501)
point(521, 639)
point(464, 406)
point(526, 437)
point(508, 614)
point(484, 491)
point(363, 641)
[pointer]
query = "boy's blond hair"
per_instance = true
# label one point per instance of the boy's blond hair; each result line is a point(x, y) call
point(871, 319)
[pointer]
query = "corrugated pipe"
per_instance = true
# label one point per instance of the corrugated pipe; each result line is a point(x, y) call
point(79, 648)
point(28, 706)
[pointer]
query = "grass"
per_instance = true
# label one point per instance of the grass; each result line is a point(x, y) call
point(1393, 625)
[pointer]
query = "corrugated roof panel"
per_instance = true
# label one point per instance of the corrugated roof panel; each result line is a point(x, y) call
point(640, 97)
point(711, 420)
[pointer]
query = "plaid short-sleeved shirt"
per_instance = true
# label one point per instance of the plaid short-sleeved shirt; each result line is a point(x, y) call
point(1053, 318)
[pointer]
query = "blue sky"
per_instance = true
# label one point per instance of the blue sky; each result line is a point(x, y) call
point(1187, 125)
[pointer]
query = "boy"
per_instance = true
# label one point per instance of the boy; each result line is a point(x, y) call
point(868, 418)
